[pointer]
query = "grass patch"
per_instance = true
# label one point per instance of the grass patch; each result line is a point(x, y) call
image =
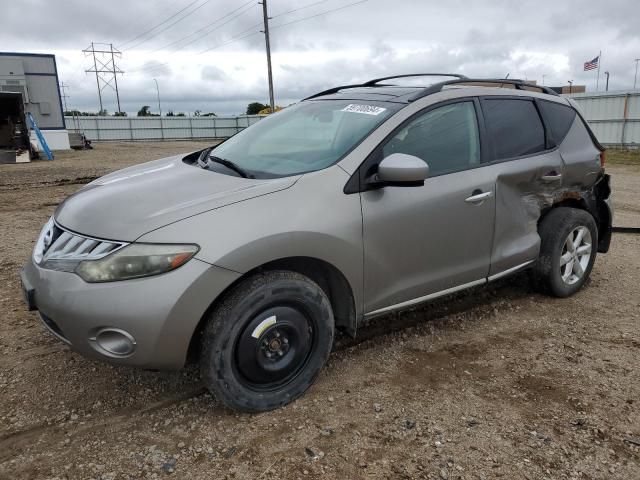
point(619, 156)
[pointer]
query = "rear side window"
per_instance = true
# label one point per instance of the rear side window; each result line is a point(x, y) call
point(559, 118)
point(515, 127)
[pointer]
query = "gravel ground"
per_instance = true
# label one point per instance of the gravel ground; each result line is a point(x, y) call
point(499, 382)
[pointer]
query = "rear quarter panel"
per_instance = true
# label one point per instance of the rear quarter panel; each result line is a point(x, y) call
point(581, 158)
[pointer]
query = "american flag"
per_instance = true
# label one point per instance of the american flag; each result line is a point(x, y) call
point(590, 65)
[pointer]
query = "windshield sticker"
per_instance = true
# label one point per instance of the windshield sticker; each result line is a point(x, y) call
point(366, 109)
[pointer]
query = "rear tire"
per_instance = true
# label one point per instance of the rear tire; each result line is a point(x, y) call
point(569, 237)
point(266, 341)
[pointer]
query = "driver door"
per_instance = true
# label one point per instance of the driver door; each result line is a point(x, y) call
point(421, 241)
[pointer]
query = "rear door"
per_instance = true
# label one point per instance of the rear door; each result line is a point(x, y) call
point(528, 172)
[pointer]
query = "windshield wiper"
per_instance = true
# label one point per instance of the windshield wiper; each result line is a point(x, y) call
point(230, 165)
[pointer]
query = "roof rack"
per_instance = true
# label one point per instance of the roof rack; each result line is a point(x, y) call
point(437, 87)
point(372, 83)
point(518, 84)
point(375, 82)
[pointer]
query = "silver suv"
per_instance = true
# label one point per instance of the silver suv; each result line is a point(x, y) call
point(357, 201)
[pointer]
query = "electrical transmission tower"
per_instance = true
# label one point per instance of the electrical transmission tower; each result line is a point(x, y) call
point(105, 68)
point(63, 94)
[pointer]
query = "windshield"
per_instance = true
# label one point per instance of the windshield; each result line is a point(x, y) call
point(302, 138)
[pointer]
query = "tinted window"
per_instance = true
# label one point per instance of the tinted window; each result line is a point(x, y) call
point(446, 138)
point(515, 127)
point(559, 119)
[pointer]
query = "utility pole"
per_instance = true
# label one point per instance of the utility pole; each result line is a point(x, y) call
point(606, 89)
point(570, 86)
point(105, 68)
point(268, 46)
point(158, 92)
point(636, 76)
point(63, 94)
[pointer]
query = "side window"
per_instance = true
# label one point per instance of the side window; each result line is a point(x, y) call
point(445, 137)
point(559, 118)
point(514, 126)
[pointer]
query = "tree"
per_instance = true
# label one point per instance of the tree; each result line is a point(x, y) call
point(103, 112)
point(208, 114)
point(255, 107)
point(267, 110)
point(144, 111)
point(180, 114)
point(120, 114)
point(197, 113)
point(170, 114)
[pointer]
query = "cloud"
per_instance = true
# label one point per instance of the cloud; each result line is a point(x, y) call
point(213, 59)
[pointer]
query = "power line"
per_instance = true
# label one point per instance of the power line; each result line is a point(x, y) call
point(238, 36)
point(249, 3)
point(241, 35)
point(319, 14)
point(170, 25)
point(298, 9)
point(159, 24)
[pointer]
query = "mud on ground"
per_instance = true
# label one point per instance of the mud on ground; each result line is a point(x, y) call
point(497, 383)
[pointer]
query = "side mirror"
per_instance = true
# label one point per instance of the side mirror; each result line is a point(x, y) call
point(400, 169)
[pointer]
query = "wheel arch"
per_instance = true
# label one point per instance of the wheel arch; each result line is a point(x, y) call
point(332, 281)
point(591, 202)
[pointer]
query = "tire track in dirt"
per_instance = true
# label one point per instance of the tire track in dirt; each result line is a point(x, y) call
point(13, 442)
point(472, 302)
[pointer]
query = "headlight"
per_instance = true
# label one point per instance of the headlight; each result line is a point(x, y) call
point(135, 261)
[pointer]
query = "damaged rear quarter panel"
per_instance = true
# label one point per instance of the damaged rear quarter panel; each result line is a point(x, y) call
point(521, 197)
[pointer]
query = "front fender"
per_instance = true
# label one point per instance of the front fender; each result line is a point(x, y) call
point(313, 218)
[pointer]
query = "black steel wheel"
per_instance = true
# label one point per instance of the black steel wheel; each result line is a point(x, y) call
point(266, 341)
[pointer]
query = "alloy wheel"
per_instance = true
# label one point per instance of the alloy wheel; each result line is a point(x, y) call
point(576, 253)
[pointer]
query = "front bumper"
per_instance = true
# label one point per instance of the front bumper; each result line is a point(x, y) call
point(161, 312)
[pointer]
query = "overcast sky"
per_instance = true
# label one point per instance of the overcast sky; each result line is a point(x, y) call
point(372, 38)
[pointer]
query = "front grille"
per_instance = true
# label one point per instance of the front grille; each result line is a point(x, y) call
point(64, 250)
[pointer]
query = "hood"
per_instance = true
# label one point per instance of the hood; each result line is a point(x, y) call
point(129, 203)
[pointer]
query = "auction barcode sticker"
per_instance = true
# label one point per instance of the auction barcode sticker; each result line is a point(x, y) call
point(366, 109)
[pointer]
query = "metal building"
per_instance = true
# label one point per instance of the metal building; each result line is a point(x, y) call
point(35, 77)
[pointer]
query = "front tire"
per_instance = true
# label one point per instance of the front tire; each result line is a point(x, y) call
point(569, 237)
point(266, 341)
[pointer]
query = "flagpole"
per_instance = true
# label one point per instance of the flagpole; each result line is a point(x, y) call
point(599, 62)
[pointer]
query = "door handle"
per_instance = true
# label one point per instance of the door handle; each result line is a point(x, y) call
point(478, 196)
point(551, 177)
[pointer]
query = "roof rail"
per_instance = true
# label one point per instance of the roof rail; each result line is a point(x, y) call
point(375, 81)
point(437, 87)
point(331, 90)
point(518, 84)
point(372, 83)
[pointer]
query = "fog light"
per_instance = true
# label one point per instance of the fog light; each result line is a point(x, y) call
point(114, 342)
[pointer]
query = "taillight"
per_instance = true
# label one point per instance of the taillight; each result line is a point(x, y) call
point(603, 158)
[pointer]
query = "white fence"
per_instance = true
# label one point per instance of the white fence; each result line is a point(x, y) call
point(159, 128)
point(614, 116)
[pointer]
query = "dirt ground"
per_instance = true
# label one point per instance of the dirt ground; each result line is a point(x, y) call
point(497, 383)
